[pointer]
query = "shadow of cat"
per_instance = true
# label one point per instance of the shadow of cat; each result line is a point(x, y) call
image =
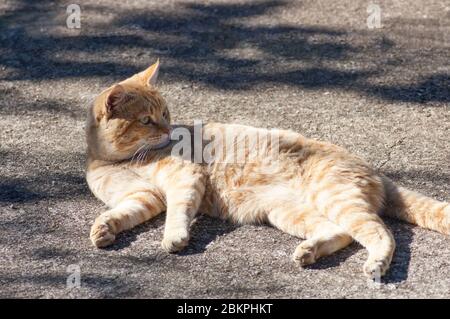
point(125, 239)
point(204, 231)
point(398, 271)
point(403, 234)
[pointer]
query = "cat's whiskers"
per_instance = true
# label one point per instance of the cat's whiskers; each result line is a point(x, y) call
point(138, 160)
point(143, 155)
point(136, 154)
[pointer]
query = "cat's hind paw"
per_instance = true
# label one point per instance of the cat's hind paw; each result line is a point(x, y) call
point(305, 254)
point(102, 235)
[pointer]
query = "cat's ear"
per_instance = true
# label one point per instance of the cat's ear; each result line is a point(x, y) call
point(115, 97)
point(150, 75)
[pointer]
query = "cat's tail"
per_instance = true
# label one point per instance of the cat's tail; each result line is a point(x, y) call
point(416, 208)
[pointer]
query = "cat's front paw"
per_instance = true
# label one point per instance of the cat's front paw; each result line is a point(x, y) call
point(375, 269)
point(175, 241)
point(101, 234)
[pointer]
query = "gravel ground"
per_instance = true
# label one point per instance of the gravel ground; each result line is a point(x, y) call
point(311, 66)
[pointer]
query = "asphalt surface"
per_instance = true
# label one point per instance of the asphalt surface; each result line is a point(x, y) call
point(311, 66)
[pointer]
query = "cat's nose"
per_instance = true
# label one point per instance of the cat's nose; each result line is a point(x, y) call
point(166, 129)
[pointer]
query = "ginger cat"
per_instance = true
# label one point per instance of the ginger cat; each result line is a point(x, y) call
point(313, 190)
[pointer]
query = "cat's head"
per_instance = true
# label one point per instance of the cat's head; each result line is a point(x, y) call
point(128, 117)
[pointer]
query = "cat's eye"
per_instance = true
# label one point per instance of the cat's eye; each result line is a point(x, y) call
point(146, 120)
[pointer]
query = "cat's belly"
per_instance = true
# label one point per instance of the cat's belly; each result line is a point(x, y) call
point(236, 191)
point(228, 205)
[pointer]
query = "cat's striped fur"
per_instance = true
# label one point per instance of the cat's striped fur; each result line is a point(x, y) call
point(309, 189)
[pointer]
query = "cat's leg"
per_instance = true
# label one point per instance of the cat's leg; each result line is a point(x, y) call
point(355, 211)
point(184, 194)
point(129, 212)
point(322, 236)
point(326, 239)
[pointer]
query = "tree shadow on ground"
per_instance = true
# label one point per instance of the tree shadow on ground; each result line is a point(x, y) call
point(16, 103)
point(54, 176)
point(42, 186)
point(104, 286)
point(212, 44)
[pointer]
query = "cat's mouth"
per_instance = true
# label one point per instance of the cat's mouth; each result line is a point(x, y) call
point(165, 141)
point(161, 145)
